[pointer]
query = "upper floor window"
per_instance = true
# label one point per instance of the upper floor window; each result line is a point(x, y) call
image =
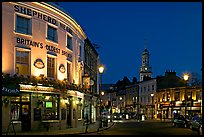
point(50, 67)
point(69, 42)
point(22, 62)
point(152, 87)
point(52, 33)
point(23, 25)
point(177, 96)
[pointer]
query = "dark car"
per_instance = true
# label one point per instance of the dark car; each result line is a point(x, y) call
point(196, 124)
point(181, 121)
point(117, 116)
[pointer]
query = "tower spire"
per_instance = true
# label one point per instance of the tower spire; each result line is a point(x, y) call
point(145, 43)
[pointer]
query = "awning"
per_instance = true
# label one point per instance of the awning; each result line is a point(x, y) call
point(10, 90)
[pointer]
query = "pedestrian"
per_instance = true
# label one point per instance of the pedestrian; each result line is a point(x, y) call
point(86, 123)
point(99, 123)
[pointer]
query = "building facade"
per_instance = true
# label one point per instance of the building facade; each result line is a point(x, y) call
point(43, 44)
point(146, 101)
point(172, 100)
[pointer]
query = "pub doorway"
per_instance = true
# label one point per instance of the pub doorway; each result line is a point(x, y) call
point(69, 124)
point(26, 116)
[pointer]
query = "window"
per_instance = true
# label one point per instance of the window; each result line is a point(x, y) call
point(177, 96)
point(69, 72)
point(23, 25)
point(22, 62)
point(50, 67)
point(15, 108)
point(50, 107)
point(152, 87)
point(52, 34)
point(189, 95)
point(69, 42)
point(168, 96)
point(163, 97)
point(198, 95)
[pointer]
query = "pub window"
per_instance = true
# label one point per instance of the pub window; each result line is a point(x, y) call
point(198, 96)
point(50, 67)
point(23, 25)
point(177, 96)
point(22, 62)
point(168, 96)
point(189, 95)
point(69, 42)
point(79, 110)
point(52, 34)
point(15, 108)
point(51, 107)
point(163, 97)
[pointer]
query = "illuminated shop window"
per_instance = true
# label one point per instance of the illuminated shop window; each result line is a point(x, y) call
point(177, 96)
point(50, 107)
point(23, 25)
point(69, 42)
point(22, 62)
point(52, 34)
point(50, 67)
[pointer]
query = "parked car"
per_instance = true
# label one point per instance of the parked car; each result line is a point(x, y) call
point(196, 124)
point(181, 121)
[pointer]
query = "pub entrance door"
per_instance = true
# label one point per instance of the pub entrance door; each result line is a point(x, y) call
point(26, 116)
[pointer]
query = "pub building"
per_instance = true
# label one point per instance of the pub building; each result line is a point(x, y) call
point(41, 40)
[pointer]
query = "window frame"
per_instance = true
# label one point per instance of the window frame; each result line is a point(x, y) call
point(29, 60)
point(56, 29)
point(29, 33)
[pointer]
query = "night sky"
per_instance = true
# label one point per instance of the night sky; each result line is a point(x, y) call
point(173, 33)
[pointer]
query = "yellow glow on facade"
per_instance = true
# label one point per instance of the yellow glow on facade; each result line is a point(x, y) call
point(57, 11)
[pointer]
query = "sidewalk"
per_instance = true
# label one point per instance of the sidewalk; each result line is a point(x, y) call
point(80, 130)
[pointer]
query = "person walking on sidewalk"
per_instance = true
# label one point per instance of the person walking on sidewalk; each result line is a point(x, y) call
point(86, 123)
point(99, 123)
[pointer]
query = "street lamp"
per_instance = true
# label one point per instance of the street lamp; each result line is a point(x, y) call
point(185, 77)
point(100, 69)
point(152, 95)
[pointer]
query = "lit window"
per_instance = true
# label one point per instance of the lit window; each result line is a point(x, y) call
point(50, 67)
point(22, 62)
point(52, 34)
point(23, 25)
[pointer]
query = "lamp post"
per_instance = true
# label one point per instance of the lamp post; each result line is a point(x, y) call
point(185, 77)
point(100, 69)
point(152, 95)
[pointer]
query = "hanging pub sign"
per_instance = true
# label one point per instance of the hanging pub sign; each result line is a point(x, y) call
point(10, 90)
point(62, 68)
point(39, 64)
point(86, 82)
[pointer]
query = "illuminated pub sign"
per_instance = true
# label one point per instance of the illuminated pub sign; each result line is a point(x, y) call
point(10, 90)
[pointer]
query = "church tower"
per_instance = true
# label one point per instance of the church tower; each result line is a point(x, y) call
point(145, 69)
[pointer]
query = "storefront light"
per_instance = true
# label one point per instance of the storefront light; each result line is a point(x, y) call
point(66, 101)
